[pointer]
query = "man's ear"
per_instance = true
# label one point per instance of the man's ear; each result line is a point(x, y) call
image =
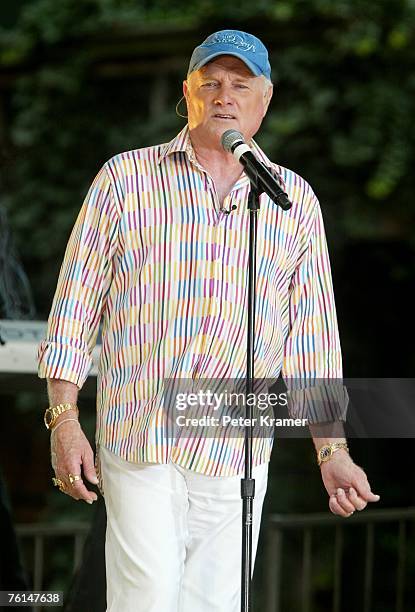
point(268, 95)
point(185, 89)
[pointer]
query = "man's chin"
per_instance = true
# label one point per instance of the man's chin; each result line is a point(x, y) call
point(211, 135)
point(222, 127)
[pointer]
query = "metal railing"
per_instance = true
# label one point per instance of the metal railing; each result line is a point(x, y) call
point(39, 533)
point(279, 525)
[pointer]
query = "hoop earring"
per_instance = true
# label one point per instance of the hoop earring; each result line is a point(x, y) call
point(178, 113)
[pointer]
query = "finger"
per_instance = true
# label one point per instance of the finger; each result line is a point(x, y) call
point(361, 484)
point(80, 491)
point(369, 496)
point(356, 500)
point(83, 493)
point(68, 490)
point(89, 467)
point(336, 508)
point(343, 502)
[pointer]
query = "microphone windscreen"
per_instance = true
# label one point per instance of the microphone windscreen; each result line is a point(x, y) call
point(230, 138)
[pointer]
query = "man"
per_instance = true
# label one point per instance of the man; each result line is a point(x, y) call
point(156, 254)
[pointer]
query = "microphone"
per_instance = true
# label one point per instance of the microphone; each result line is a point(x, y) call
point(228, 212)
point(258, 173)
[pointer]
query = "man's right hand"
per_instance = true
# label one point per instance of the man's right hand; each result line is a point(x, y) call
point(71, 453)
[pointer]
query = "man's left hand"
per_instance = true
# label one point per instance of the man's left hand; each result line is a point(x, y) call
point(347, 484)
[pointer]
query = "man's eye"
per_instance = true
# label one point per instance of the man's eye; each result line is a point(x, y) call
point(209, 84)
point(241, 86)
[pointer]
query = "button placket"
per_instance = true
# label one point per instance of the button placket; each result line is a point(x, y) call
point(215, 281)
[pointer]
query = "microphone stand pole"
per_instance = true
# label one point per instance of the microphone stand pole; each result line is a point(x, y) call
point(248, 483)
point(262, 180)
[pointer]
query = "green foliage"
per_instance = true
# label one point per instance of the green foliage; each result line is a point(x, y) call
point(76, 91)
point(341, 114)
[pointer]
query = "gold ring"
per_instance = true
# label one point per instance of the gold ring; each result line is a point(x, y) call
point(57, 482)
point(74, 478)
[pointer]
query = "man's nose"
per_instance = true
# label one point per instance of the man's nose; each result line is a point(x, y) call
point(224, 96)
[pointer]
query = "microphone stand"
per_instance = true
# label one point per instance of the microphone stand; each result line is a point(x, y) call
point(247, 482)
point(263, 180)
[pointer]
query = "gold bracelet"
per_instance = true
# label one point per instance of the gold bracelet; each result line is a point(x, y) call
point(62, 422)
point(52, 413)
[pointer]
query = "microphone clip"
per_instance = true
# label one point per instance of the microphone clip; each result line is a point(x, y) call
point(228, 212)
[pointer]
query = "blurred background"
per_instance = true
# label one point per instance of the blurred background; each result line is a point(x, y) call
point(82, 80)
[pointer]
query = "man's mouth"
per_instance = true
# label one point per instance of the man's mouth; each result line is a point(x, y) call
point(224, 116)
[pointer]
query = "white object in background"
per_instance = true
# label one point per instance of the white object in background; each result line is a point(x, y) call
point(19, 341)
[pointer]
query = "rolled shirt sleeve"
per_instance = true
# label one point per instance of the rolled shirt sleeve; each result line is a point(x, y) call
point(84, 281)
point(312, 366)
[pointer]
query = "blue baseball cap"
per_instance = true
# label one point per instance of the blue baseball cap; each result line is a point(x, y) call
point(246, 47)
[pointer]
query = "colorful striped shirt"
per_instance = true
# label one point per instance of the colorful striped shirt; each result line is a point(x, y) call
point(154, 257)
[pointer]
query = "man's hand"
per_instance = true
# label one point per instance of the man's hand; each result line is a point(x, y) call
point(70, 450)
point(347, 484)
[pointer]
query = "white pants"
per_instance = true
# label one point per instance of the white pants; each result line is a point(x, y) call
point(173, 539)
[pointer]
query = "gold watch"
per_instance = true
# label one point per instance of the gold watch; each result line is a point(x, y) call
point(52, 413)
point(326, 452)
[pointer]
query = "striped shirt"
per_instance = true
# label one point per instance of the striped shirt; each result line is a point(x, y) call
point(153, 255)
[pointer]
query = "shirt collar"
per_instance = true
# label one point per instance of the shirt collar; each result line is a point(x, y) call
point(182, 144)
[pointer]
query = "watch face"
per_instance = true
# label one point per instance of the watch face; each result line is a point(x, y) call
point(48, 417)
point(325, 453)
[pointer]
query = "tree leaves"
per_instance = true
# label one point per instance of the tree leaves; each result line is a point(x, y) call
point(87, 77)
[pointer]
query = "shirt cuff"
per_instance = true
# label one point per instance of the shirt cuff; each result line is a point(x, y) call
point(319, 401)
point(63, 362)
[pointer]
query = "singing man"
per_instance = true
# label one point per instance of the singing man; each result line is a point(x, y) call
point(159, 254)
